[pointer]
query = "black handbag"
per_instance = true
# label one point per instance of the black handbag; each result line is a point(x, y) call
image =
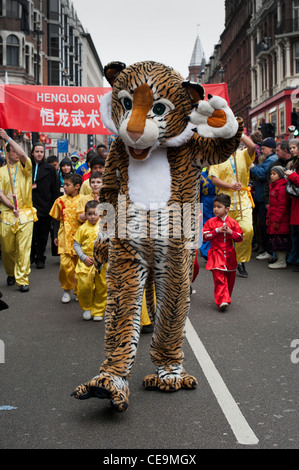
point(292, 189)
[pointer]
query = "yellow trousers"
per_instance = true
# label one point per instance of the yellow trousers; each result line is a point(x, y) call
point(243, 249)
point(92, 291)
point(145, 319)
point(67, 275)
point(15, 241)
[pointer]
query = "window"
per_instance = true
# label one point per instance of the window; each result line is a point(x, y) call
point(296, 56)
point(282, 120)
point(53, 40)
point(273, 118)
point(53, 73)
point(27, 59)
point(12, 51)
point(296, 15)
point(12, 8)
point(53, 10)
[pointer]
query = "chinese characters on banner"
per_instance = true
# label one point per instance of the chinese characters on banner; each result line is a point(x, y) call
point(72, 110)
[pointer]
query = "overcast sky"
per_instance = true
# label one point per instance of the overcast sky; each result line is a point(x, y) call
point(162, 30)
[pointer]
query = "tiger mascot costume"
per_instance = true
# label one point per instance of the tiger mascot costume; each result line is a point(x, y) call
point(165, 133)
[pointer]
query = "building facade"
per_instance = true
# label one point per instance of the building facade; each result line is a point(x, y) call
point(231, 59)
point(42, 42)
point(259, 56)
point(274, 34)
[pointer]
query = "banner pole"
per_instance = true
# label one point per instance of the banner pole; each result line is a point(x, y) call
point(14, 197)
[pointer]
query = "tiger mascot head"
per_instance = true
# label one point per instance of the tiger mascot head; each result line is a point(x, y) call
point(149, 106)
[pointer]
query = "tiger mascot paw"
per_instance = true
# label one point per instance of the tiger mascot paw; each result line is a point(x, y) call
point(188, 382)
point(169, 382)
point(214, 118)
point(105, 386)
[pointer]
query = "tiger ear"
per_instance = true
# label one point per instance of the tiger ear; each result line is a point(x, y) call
point(112, 70)
point(196, 91)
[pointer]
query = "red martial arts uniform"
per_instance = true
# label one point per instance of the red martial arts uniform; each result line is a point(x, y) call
point(222, 260)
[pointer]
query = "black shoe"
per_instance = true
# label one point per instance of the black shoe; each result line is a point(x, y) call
point(24, 288)
point(147, 329)
point(296, 269)
point(10, 280)
point(40, 264)
point(3, 305)
point(242, 271)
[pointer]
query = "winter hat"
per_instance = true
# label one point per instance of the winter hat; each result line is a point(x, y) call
point(269, 142)
point(279, 170)
point(75, 155)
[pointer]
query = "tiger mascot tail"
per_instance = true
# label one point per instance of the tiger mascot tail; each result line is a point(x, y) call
point(165, 133)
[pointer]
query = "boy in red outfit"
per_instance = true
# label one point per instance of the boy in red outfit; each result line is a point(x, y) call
point(222, 231)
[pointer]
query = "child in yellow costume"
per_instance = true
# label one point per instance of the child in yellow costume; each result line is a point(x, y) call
point(17, 214)
point(92, 288)
point(96, 166)
point(64, 210)
point(95, 184)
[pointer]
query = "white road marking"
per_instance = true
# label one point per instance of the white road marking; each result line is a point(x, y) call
point(235, 418)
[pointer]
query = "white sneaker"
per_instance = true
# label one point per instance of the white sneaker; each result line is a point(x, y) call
point(76, 298)
point(66, 298)
point(279, 264)
point(223, 306)
point(98, 318)
point(86, 315)
point(264, 255)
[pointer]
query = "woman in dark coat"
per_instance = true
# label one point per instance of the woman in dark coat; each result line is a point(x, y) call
point(293, 176)
point(44, 193)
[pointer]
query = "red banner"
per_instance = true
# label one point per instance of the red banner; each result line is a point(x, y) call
point(70, 110)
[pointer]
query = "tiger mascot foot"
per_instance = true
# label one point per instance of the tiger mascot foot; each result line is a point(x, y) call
point(169, 381)
point(105, 386)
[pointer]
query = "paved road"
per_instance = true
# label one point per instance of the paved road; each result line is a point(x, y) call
point(248, 384)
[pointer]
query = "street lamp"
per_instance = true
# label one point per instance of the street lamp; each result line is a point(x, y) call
point(65, 75)
point(37, 34)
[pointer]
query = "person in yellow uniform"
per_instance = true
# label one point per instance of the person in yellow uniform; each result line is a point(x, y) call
point(64, 210)
point(17, 214)
point(232, 177)
point(95, 183)
point(96, 166)
point(92, 287)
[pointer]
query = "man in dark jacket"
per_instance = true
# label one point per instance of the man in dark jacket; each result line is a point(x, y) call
point(44, 193)
point(259, 176)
